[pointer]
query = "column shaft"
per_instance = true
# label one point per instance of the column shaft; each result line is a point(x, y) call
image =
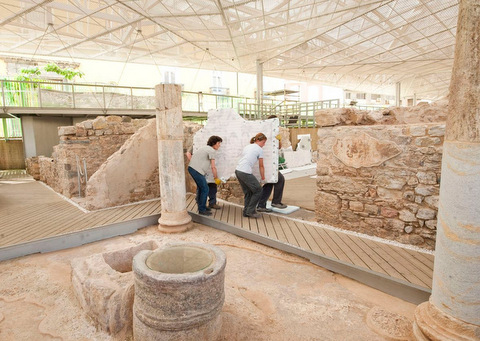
point(174, 216)
point(453, 312)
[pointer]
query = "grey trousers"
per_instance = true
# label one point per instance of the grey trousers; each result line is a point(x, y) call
point(252, 190)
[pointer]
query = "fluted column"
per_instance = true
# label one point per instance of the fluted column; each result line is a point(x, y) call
point(175, 217)
point(453, 311)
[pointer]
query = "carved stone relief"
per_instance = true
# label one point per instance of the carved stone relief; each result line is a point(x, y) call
point(364, 151)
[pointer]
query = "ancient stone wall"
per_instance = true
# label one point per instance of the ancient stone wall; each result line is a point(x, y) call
point(128, 175)
point(95, 141)
point(131, 174)
point(88, 143)
point(381, 180)
point(422, 113)
point(33, 167)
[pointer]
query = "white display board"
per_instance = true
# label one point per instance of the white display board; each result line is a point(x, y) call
point(236, 133)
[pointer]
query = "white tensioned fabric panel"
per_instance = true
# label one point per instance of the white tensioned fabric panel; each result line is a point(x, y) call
point(236, 134)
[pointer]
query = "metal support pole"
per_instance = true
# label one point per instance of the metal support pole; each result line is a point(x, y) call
point(104, 101)
point(3, 94)
point(131, 97)
point(398, 100)
point(73, 96)
point(259, 84)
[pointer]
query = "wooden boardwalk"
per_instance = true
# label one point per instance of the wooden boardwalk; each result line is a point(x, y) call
point(370, 261)
point(31, 212)
point(32, 215)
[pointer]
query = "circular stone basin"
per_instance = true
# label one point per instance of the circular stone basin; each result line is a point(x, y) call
point(179, 292)
point(179, 259)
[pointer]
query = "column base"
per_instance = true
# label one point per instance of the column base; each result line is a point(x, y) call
point(174, 222)
point(431, 324)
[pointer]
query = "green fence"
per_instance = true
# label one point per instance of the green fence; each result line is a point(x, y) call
point(10, 129)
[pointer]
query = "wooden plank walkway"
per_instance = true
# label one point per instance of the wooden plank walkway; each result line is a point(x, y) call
point(30, 213)
point(380, 264)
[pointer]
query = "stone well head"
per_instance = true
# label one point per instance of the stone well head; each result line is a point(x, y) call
point(179, 292)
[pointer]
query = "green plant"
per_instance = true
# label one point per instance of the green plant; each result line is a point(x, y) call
point(23, 93)
point(27, 74)
point(65, 72)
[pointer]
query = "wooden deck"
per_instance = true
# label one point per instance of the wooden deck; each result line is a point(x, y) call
point(33, 218)
point(400, 271)
point(31, 213)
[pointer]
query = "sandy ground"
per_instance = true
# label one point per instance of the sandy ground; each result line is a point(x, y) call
point(298, 192)
point(269, 295)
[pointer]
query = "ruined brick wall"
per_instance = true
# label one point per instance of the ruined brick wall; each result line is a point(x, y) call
point(95, 141)
point(381, 180)
point(33, 167)
point(131, 174)
point(422, 113)
point(128, 175)
point(48, 172)
point(92, 141)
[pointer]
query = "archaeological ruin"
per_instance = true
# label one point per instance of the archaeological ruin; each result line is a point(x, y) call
point(118, 222)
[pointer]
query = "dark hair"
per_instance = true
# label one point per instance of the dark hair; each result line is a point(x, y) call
point(271, 116)
point(213, 140)
point(258, 137)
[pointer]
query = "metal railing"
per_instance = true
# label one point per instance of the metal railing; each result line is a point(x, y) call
point(291, 114)
point(41, 95)
point(10, 129)
point(366, 107)
point(112, 98)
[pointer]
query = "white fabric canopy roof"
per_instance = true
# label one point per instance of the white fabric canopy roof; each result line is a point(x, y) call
point(360, 45)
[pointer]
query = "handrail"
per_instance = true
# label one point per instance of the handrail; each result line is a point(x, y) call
point(41, 94)
point(35, 94)
point(298, 114)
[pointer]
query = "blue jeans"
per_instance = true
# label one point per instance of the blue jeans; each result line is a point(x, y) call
point(212, 194)
point(202, 189)
point(252, 190)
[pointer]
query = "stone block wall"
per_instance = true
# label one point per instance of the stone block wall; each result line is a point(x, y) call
point(92, 141)
point(95, 141)
point(48, 172)
point(422, 113)
point(381, 180)
point(131, 174)
point(128, 175)
point(33, 167)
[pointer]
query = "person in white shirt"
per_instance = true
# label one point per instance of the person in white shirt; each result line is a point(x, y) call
point(200, 164)
point(250, 185)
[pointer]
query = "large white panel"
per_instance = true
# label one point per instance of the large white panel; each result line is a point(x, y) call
point(236, 134)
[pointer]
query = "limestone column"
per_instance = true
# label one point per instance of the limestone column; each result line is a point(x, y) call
point(175, 217)
point(453, 311)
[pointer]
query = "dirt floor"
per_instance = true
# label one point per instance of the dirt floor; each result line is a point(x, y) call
point(269, 295)
point(300, 192)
